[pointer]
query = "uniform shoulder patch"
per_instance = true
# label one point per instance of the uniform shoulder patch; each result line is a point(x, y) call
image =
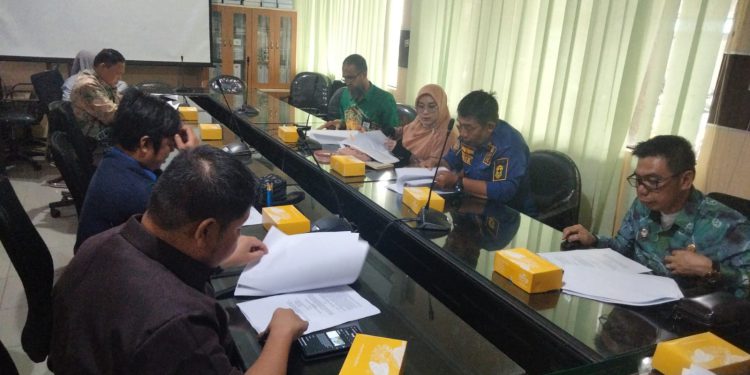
point(500, 172)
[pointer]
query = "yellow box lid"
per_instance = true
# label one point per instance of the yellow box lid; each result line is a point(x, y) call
point(527, 260)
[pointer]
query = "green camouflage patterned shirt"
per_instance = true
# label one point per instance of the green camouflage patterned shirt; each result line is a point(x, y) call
point(718, 232)
point(94, 103)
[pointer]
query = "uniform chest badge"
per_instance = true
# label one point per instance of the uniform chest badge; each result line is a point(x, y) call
point(500, 172)
point(644, 232)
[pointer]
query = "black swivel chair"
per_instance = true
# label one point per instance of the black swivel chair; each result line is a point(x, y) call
point(77, 173)
point(309, 92)
point(227, 84)
point(32, 261)
point(62, 119)
point(17, 115)
point(555, 188)
point(48, 87)
point(406, 113)
point(740, 204)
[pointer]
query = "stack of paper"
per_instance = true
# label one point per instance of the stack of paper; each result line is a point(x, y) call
point(303, 262)
point(608, 276)
point(414, 177)
point(321, 264)
point(331, 137)
point(373, 144)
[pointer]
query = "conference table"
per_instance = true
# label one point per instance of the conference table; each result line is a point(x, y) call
point(438, 291)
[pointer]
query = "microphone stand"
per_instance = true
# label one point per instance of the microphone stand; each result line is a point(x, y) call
point(310, 144)
point(430, 219)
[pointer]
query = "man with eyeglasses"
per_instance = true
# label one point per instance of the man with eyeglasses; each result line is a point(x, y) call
point(490, 159)
point(673, 229)
point(363, 106)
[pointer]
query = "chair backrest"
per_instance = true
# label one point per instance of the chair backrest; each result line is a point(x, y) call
point(309, 92)
point(61, 118)
point(154, 87)
point(227, 84)
point(48, 87)
point(33, 263)
point(406, 113)
point(740, 204)
point(333, 105)
point(77, 174)
point(555, 187)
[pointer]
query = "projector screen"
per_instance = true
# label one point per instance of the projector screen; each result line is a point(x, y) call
point(169, 31)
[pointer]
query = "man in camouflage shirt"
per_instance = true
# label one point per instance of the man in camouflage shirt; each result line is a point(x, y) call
point(94, 95)
point(675, 230)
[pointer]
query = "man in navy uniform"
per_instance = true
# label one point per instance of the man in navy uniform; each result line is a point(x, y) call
point(491, 158)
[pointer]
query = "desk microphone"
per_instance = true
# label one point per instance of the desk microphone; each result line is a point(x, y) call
point(310, 144)
point(333, 223)
point(244, 108)
point(428, 218)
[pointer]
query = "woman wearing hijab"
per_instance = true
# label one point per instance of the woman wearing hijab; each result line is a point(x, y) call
point(424, 136)
point(83, 60)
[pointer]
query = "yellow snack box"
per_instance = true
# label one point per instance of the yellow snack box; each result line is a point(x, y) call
point(704, 350)
point(210, 132)
point(374, 355)
point(288, 134)
point(528, 270)
point(416, 197)
point(347, 165)
point(287, 218)
point(188, 113)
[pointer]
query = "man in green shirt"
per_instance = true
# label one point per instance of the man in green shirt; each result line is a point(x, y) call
point(363, 106)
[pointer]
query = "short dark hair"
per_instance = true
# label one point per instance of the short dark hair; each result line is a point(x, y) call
point(201, 183)
point(677, 151)
point(481, 105)
point(109, 57)
point(358, 61)
point(139, 114)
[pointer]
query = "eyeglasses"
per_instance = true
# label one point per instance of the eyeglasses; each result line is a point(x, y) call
point(428, 109)
point(350, 78)
point(651, 183)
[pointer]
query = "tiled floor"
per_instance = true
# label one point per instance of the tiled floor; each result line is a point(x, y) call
point(58, 234)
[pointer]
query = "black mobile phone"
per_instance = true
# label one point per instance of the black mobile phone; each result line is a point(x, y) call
point(329, 342)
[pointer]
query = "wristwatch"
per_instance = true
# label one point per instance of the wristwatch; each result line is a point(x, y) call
point(459, 185)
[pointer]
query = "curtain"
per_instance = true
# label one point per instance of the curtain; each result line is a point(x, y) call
point(330, 30)
point(575, 76)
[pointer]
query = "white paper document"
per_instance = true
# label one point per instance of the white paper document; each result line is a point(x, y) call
point(303, 262)
point(373, 144)
point(625, 288)
point(603, 259)
point(322, 308)
point(255, 217)
point(413, 176)
point(331, 137)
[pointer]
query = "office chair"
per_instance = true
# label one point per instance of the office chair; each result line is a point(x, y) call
point(32, 261)
point(77, 173)
point(333, 105)
point(406, 113)
point(309, 92)
point(154, 87)
point(555, 188)
point(62, 119)
point(739, 204)
point(19, 113)
point(48, 88)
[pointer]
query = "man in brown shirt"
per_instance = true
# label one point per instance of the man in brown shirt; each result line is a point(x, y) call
point(133, 301)
point(94, 95)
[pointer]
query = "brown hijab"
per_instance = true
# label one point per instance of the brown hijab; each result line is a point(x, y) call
point(425, 142)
